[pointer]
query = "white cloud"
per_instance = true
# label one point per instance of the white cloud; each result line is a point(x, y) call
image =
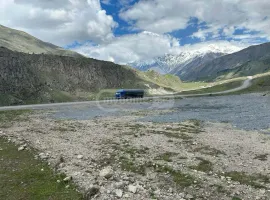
point(146, 46)
point(131, 48)
point(162, 16)
point(59, 21)
point(64, 21)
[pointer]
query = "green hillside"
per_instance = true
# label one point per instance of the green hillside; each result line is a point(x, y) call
point(23, 42)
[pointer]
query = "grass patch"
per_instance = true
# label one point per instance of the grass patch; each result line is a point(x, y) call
point(135, 127)
point(7, 118)
point(207, 150)
point(203, 166)
point(180, 178)
point(236, 198)
point(171, 134)
point(64, 129)
point(220, 189)
point(166, 156)
point(262, 157)
point(129, 165)
point(22, 177)
point(216, 88)
point(256, 180)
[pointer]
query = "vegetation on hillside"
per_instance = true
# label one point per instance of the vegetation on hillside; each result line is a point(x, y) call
point(23, 42)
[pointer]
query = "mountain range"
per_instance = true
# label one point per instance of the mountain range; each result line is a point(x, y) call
point(33, 71)
point(176, 63)
point(211, 62)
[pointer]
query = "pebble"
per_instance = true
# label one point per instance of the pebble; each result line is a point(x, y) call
point(21, 148)
point(68, 178)
point(126, 196)
point(106, 172)
point(120, 184)
point(80, 156)
point(43, 156)
point(132, 188)
point(189, 196)
point(92, 191)
point(118, 193)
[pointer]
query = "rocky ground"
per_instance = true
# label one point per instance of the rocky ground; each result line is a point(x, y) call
point(118, 157)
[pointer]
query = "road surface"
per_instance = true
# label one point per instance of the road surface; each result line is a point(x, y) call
point(246, 84)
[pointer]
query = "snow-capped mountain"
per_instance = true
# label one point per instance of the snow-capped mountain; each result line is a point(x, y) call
point(186, 58)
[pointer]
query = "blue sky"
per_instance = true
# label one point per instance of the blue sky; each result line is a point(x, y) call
point(127, 31)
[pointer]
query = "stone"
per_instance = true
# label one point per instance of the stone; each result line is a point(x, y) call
point(118, 193)
point(68, 178)
point(43, 156)
point(92, 191)
point(62, 165)
point(21, 148)
point(80, 156)
point(106, 172)
point(189, 196)
point(132, 188)
point(120, 184)
point(157, 192)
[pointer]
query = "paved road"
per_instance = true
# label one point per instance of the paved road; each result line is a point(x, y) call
point(246, 84)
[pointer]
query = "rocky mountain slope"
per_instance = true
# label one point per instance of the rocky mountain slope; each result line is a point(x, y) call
point(33, 78)
point(186, 60)
point(250, 61)
point(22, 42)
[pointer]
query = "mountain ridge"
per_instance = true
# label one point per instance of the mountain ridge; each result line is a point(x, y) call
point(255, 58)
point(174, 63)
point(20, 41)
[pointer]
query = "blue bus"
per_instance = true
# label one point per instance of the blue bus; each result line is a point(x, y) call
point(129, 93)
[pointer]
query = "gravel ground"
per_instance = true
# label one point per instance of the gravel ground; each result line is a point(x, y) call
point(132, 155)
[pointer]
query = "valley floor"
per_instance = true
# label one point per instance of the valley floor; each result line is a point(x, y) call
point(122, 156)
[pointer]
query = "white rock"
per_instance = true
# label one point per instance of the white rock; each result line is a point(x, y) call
point(62, 165)
point(126, 196)
point(58, 181)
point(157, 192)
point(67, 186)
point(21, 148)
point(43, 156)
point(106, 172)
point(132, 188)
point(120, 184)
point(80, 156)
point(262, 191)
point(68, 178)
point(119, 193)
point(189, 196)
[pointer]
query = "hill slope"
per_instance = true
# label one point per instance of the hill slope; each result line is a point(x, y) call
point(250, 61)
point(33, 78)
point(22, 42)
